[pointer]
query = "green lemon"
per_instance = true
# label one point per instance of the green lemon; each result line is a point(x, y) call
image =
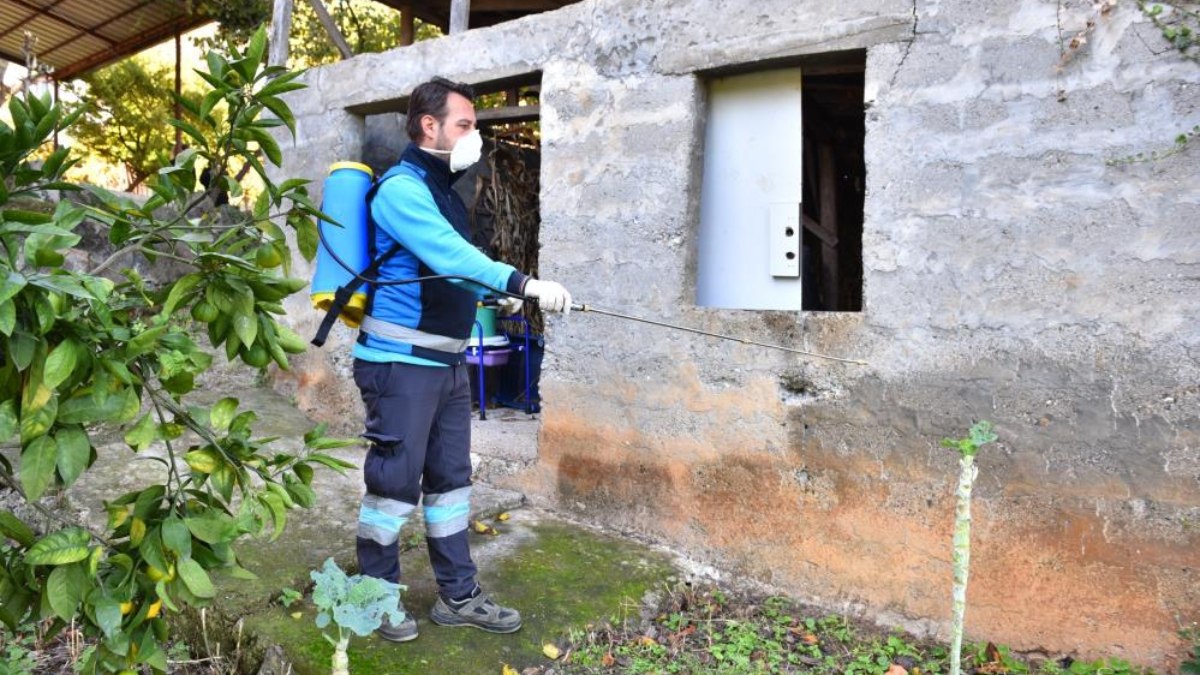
point(267, 256)
point(204, 312)
point(257, 356)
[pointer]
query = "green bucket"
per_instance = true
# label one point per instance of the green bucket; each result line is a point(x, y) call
point(486, 317)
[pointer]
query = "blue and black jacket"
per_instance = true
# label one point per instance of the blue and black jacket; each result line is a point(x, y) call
point(425, 323)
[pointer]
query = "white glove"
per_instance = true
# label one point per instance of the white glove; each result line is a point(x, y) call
point(551, 296)
point(509, 306)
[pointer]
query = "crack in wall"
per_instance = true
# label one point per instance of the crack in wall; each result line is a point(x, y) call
point(908, 46)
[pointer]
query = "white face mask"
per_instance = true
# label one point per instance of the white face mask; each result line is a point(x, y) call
point(467, 150)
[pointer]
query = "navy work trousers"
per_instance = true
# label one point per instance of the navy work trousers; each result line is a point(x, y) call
point(419, 427)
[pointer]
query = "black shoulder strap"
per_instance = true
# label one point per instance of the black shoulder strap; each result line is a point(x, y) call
point(343, 294)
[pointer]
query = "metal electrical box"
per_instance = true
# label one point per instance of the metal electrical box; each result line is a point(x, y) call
point(785, 239)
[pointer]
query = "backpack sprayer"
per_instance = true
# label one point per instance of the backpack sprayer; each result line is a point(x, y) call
point(337, 282)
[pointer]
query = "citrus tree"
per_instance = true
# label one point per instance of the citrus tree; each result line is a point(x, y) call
point(83, 350)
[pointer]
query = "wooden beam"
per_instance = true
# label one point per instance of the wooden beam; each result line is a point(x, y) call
point(407, 26)
point(826, 236)
point(178, 93)
point(281, 28)
point(830, 276)
point(519, 113)
point(132, 45)
point(331, 28)
point(460, 16)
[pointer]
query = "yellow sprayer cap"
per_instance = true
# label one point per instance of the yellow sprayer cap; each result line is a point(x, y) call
point(352, 165)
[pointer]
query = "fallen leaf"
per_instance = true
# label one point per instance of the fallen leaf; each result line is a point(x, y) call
point(607, 660)
point(550, 651)
point(503, 517)
point(896, 669)
point(646, 641)
point(508, 670)
point(482, 528)
point(297, 615)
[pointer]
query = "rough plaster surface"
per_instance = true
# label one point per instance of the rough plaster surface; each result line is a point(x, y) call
point(1011, 273)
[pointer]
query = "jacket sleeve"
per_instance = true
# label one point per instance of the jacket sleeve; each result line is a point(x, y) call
point(405, 210)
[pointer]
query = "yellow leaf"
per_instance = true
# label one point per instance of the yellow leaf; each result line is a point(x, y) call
point(297, 615)
point(646, 641)
point(126, 607)
point(154, 609)
point(508, 670)
point(482, 528)
point(551, 651)
point(137, 531)
point(503, 517)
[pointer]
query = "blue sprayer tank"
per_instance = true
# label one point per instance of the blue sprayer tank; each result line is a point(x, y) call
point(345, 200)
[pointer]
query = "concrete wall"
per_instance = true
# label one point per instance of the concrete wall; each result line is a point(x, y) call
point(1010, 274)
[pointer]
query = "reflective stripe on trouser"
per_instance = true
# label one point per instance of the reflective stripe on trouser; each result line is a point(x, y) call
point(419, 425)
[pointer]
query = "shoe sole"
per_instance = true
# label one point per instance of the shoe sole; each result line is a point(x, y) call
point(456, 623)
point(400, 638)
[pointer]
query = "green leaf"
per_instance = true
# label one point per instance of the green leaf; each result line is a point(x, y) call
point(8, 420)
point(306, 236)
point(188, 129)
point(212, 527)
point(39, 408)
point(222, 413)
point(14, 528)
point(245, 322)
point(254, 51)
point(12, 285)
point(282, 84)
point(61, 362)
point(59, 548)
point(22, 346)
point(281, 110)
point(143, 433)
point(66, 587)
point(176, 537)
point(195, 578)
point(303, 494)
point(275, 505)
point(267, 142)
point(8, 316)
point(74, 453)
point(145, 341)
point(37, 466)
point(108, 615)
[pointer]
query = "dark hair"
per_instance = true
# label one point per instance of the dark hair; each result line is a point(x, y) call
point(429, 98)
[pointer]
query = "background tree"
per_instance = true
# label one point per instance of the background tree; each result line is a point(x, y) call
point(367, 26)
point(122, 123)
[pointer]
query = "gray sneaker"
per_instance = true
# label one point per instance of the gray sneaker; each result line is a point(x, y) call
point(403, 632)
point(480, 611)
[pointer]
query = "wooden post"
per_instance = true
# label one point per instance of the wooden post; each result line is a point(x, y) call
point(460, 13)
point(55, 103)
point(281, 28)
point(831, 279)
point(331, 28)
point(407, 27)
point(178, 92)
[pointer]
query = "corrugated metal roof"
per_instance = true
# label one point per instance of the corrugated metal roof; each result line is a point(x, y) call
point(74, 36)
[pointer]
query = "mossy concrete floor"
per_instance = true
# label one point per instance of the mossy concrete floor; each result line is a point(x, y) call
point(557, 574)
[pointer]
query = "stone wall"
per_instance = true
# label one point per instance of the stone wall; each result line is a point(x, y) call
point(1011, 273)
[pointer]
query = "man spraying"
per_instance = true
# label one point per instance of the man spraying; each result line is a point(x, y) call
point(409, 365)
